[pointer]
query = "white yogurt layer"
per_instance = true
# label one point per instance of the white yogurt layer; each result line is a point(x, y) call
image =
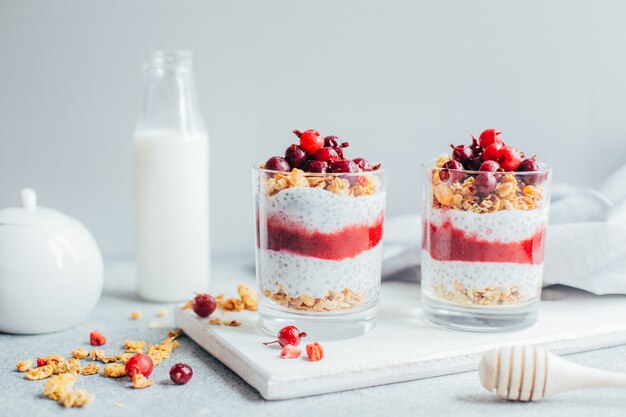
point(304, 275)
point(502, 226)
point(321, 210)
point(479, 275)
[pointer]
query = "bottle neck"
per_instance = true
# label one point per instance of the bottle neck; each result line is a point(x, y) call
point(170, 101)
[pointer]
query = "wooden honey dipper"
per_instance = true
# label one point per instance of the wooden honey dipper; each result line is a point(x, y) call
point(528, 373)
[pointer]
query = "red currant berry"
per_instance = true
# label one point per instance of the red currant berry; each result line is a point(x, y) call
point(181, 373)
point(491, 166)
point(310, 141)
point(509, 158)
point(203, 305)
point(344, 166)
point(485, 183)
point(318, 167)
point(489, 137)
point(363, 164)
point(452, 171)
point(139, 364)
point(295, 156)
point(327, 154)
point(276, 163)
point(289, 335)
point(491, 152)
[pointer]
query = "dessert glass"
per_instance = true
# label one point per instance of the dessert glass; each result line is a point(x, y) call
point(319, 250)
point(482, 255)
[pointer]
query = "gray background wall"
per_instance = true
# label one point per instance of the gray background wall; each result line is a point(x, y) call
point(399, 79)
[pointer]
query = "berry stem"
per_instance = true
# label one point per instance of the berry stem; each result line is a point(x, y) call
point(303, 334)
point(297, 132)
point(269, 343)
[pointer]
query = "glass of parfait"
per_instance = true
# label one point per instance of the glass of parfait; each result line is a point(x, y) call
point(485, 217)
point(319, 245)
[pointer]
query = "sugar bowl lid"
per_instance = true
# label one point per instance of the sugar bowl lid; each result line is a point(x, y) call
point(31, 215)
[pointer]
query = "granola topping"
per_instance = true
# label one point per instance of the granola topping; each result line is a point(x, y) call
point(366, 184)
point(509, 194)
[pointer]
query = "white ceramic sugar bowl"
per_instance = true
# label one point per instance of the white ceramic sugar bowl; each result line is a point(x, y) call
point(50, 269)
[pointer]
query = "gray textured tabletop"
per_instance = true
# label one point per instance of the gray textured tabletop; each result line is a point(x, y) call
point(215, 390)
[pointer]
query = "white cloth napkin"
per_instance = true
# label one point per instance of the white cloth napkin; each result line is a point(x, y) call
point(585, 247)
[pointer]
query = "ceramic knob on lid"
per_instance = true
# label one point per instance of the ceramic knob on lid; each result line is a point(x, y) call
point(50, 269)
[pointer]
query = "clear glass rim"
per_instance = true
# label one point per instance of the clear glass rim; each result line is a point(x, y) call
point(429, 164)
point(169, 60)
point(258, 169)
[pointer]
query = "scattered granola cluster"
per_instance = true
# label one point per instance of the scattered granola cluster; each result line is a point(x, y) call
point(365, 184)
point(474, 296)
point(332, 301)
point(63, 373)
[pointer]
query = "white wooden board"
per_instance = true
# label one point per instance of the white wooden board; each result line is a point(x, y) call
point(402, 347)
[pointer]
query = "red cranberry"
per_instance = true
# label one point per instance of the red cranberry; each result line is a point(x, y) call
point(289, 335)
point(327, 154)
point(462, 153)
point(181, 373)
point(476, 148)
point(474, 164)
point(489, 137)
point(204, 305)
point(363, 164)
point(485, 183)
point(139, 364)
point(509, 158)
point(491, 166)
point(491, 152)
point(531, 165)
point(335, 143)
point(318, 167)
point(344, 166)
point(276, 163)
point(295, 156)
point(452, 171)
point(332, 142)
point(310, 140)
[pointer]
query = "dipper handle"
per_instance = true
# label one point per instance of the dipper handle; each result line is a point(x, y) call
point(528, 373)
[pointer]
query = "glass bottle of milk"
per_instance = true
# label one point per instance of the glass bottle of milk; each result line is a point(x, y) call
point(172, 180)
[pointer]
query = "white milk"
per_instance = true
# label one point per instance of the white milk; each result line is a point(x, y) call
point(172, 214)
